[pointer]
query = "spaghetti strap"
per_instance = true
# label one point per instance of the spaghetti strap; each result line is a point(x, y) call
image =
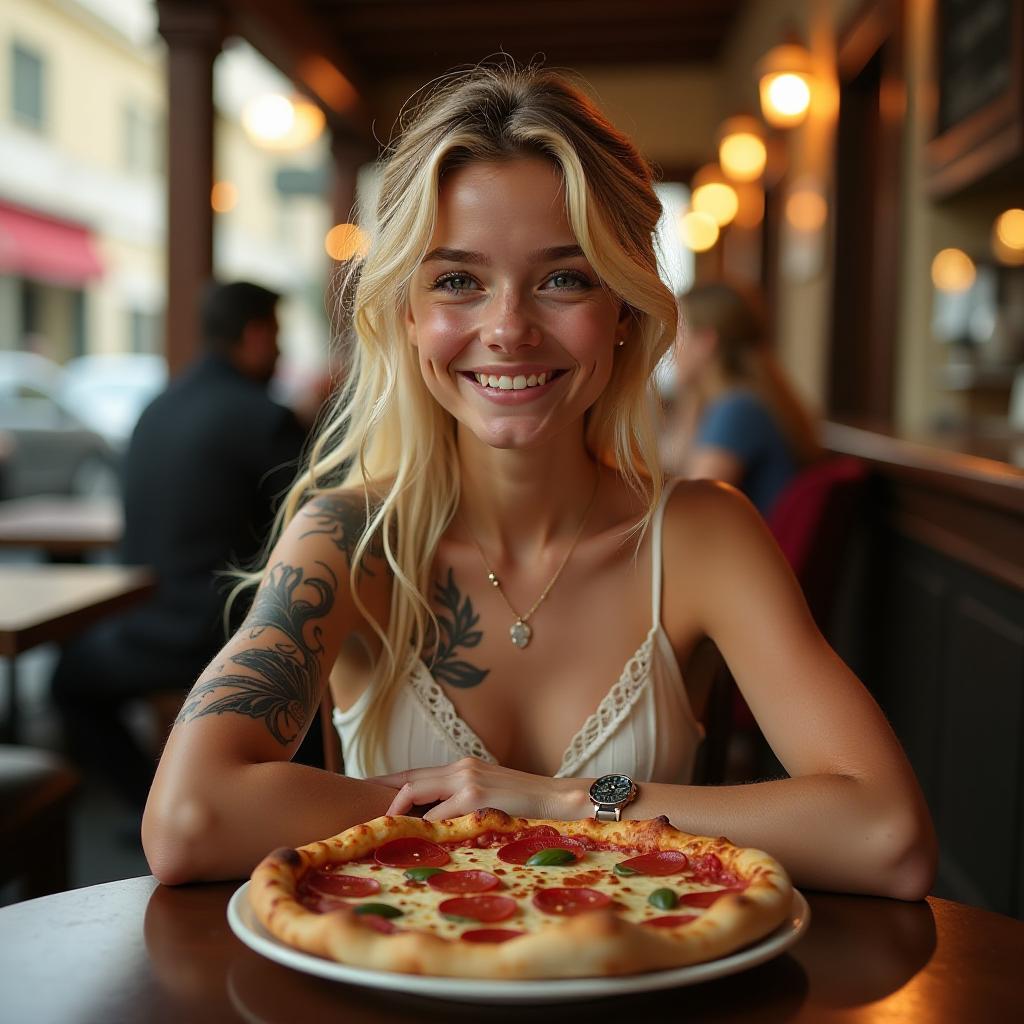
point(656, 571)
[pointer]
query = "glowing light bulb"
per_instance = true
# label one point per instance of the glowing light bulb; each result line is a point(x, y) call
point(741, 150)
point(1010, 229)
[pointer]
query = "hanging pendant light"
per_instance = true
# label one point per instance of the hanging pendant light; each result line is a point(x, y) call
point(785, 80)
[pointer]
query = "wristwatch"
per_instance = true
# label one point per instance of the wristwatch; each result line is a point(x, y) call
point(610, 794)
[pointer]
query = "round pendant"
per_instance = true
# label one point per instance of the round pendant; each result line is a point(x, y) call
point(520, 633)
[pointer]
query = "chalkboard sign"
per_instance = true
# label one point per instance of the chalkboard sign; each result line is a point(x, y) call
point(975, 56)
point(978, 133)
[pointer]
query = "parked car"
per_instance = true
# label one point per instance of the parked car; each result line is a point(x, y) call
point(108, 392)
point(44, 447)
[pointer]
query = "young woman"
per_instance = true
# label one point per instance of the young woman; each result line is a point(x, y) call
point(740, 420)
point(485, 565)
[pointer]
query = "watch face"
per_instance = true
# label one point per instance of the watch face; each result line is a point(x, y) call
point(611, 789)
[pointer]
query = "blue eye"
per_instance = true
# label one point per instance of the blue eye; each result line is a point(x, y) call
point(453, 282)
point(563, 280)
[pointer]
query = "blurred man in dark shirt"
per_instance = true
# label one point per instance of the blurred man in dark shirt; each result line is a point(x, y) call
point(206, 463)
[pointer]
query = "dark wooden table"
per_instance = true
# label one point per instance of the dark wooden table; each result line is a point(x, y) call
point(137, 951)
point(61, 526)
point(47, 603)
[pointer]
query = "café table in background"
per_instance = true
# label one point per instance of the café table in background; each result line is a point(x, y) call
point(61, 526)
point(44, 603)
point(136, 951)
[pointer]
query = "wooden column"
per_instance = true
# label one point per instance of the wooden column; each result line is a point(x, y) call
point(194, 32)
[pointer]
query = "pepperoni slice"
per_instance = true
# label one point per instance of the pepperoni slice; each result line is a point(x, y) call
point(704, 899)
point(322, 904)
point(325, 883)
point(490, 935)
point(671, 920)
point(480, 908)
point(664, 862)
point(464, 881)
point(411, 852)
point(708, 866)
point(522, 850)
point(569, 902)
point(379, 924)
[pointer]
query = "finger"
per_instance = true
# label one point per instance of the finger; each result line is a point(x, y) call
point(402, 803)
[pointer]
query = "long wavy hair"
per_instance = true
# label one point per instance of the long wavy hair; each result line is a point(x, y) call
point(385, 437)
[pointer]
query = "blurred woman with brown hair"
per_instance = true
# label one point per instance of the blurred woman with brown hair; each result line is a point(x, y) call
point(742, 423)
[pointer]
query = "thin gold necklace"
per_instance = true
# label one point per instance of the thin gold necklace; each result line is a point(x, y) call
point(520, 632)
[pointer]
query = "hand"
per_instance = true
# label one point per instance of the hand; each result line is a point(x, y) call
point(469, 784)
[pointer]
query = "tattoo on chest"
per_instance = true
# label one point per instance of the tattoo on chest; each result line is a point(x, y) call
point(342, 517)
point(281, 681)
point(457, 631)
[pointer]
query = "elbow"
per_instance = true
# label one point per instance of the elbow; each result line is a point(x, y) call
point(909, 857)
point(173, 840)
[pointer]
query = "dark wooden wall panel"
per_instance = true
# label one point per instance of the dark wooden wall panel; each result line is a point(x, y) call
point(980, 780)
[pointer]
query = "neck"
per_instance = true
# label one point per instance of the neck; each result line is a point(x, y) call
point(517, 503)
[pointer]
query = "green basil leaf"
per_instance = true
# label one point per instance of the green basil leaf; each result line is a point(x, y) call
point(551, 856)
point(421, 874)
point(621, 869)
point(663, 899)
point(380, 909)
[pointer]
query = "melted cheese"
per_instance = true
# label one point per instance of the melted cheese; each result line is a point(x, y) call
point(419, 903)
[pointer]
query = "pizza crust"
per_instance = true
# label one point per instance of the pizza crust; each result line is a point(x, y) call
point(597, 943)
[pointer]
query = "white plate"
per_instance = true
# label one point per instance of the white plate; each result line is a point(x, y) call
point(247, 927)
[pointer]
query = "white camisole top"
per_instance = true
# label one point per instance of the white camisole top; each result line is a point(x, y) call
point(644, 727)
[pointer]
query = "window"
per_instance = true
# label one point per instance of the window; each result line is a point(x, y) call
point(145, 331)
point(141, 149)
point(27, 99)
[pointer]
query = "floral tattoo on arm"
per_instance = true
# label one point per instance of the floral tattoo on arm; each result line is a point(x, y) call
point(281, 682)
point(342, 517)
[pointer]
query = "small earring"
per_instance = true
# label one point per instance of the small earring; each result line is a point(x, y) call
point(621, 342)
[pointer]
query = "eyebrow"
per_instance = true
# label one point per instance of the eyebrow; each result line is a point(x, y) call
point(445, 255)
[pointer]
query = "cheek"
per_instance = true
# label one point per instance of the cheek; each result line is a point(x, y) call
point(440, 335)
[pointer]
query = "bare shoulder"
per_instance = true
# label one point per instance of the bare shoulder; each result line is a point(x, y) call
point(717, 547)
point(327, 539)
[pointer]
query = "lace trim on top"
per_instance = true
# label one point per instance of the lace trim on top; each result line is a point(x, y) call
point(443, 717)
point(613, 709)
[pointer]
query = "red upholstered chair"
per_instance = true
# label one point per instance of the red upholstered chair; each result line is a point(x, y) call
point(813, 519)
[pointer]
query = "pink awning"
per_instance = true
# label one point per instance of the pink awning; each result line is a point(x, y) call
point(43, 248)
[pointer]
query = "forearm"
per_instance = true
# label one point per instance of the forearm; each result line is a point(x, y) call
point(224, 828)
point(830, 832)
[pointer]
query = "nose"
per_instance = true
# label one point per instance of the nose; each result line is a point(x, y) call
point(508, 325)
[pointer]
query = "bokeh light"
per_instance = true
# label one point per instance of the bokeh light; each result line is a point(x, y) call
point(223, 196)
point(278, 122)
point(1010, 228)
point(806, 210)
point(952, 270)
point(699, 231)
point(344, 241)
point(741, 150)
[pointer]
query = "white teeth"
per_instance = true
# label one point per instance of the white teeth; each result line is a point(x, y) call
point(506, 383)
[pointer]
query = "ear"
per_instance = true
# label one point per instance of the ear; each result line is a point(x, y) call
point(624, 322)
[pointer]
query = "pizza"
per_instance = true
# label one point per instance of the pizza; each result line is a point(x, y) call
point(487, 895)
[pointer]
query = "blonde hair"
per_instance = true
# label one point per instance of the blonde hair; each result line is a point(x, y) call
point(736, 315)
point(386, 437)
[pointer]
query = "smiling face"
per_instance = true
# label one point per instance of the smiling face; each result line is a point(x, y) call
point(514, 331)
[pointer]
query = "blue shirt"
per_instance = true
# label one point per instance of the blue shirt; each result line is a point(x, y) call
point(741, 424)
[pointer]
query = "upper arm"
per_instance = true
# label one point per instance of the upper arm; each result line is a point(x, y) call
point(812, 709)
point(257, 697)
